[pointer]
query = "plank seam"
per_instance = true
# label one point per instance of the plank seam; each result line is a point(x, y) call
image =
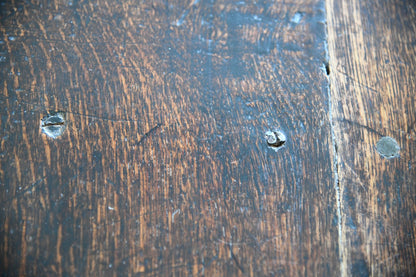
point(335, 165)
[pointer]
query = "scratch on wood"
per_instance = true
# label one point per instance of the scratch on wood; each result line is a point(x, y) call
point(358, 178)
point(150, 132)
point(356, 124)
point(32, 186)
point(235, 259)
point(359, 83)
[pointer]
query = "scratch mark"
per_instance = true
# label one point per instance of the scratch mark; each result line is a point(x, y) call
point(149, 133)
point(356, 175)
point(359, 83)
point(31, 187)
point(353, 123)
point(103, 118)
point(42, 109)
point(235, 258)
point(174, 213)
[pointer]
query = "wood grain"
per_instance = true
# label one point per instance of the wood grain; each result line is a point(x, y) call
point(372, 52)
point(163, 168)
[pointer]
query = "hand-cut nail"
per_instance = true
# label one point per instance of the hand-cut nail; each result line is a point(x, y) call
point(275, 138)
point(53, 124)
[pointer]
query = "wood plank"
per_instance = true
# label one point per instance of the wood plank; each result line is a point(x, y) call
point(372, 51)
point(163, 167)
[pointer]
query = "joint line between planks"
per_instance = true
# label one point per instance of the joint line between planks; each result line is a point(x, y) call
point(335, 166)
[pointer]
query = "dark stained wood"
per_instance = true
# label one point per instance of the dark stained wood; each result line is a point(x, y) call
point(372, 48)
point(163, 168)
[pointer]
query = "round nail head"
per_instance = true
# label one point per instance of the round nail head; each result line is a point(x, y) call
point(388, 147)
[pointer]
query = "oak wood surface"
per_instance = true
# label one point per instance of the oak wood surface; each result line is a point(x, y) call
point(372, 49)
point(163, 168)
